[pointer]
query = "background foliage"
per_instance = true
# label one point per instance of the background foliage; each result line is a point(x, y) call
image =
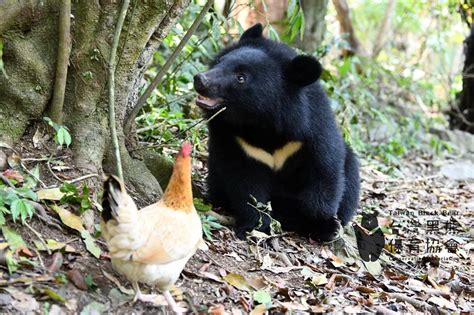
point(384, 105)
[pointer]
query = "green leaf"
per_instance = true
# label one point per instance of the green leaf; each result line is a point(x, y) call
point(85, 203)
point(90, 282)
point(53, 295)
point(291, 8)
point(68, 188)
point(16, 208)
point(12, 263)
point(272, 33)
point(216, 29)
point(91, 246)
point(13, 239)
point(200, 205)
point(345, 67)
point(262, 297)
point(26, 193)
point(21, 208)
point(35, 172)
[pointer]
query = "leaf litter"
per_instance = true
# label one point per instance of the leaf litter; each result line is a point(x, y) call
point(266, 274)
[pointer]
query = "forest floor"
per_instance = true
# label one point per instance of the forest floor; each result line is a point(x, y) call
point(427, 264)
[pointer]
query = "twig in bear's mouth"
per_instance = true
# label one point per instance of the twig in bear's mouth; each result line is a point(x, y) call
point(200, 122)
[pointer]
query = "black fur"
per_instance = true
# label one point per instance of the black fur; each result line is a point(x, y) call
point(280, 101)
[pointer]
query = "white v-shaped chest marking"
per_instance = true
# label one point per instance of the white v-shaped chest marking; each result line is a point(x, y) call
point(276, 160)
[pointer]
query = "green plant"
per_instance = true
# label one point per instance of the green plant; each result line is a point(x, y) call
point(61, 135)
point(15, 201)
point(265, 209)
point(75, 196)
point(208, 222)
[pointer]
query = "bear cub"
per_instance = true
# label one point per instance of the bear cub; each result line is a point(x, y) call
point(277, 140)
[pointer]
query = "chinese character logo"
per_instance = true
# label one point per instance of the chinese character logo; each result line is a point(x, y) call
point(370, 239)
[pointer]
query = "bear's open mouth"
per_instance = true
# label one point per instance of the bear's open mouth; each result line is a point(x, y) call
point(207, 102)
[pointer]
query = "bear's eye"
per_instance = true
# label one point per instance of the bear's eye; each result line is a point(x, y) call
point(240, 77)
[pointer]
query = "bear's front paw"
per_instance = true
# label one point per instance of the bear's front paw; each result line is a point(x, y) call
point(326, 229)
point(262, 225)
point(241, 232)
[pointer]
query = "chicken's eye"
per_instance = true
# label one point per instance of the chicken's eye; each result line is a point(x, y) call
point(240, 78)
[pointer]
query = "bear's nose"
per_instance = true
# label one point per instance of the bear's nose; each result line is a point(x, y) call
point(200, 82)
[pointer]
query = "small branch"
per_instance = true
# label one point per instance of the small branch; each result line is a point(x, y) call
point(159, 76)
point(64, 49)
point(400, 297)
point(461, 116)
point(39, 236)
point(43, 216)
point(81, 178)
point(111, 87)
point(32, 175)
point(7, 181)
point(52, 173)
point(222, 219)
point(200, 122)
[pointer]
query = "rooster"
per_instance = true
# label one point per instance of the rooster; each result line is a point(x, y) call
point(152, 245)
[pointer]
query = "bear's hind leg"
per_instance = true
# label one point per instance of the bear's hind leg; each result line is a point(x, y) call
point(350, 197)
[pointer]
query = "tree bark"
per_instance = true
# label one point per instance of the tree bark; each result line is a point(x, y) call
point(384, 30)
point(29, 31)
point(315, 26)
point(64, 48)
point(462, 113)
point(345, 23)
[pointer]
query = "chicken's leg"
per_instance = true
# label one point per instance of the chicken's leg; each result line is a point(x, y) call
point(171, 303)
point(151, 298)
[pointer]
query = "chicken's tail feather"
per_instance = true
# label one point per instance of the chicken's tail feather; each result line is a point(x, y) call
point(113, 188)
point(121, 228)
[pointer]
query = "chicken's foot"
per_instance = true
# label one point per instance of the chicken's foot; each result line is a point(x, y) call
point(149, 298)
point(171, 303)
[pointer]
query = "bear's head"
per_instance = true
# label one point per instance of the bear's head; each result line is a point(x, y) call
point(254, 76)
point(369, 220)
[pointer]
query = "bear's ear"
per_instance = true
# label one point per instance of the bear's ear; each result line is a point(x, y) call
point(254, 32)
point(303, 70)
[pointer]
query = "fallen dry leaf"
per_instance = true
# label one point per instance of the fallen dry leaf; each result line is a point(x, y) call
point(77, 279)
point(56, 263)
point(69, 218)
point(12, 174)
point(319, 279)
point(237, 281)
point(216, 310)
point(23, 302)
point(366, 290)
point(259, 310)
point(50, 194)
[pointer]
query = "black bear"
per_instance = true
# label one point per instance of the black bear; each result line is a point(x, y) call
point(370, 245)
point(276, 140)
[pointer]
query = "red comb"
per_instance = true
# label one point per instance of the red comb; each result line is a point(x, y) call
point(186, 149)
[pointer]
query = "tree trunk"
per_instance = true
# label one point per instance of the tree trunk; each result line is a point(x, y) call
point(315, 26)
point(462, 113)
point(248, 13)
point(345, 23)
point(29, 30)
point(384, 30)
